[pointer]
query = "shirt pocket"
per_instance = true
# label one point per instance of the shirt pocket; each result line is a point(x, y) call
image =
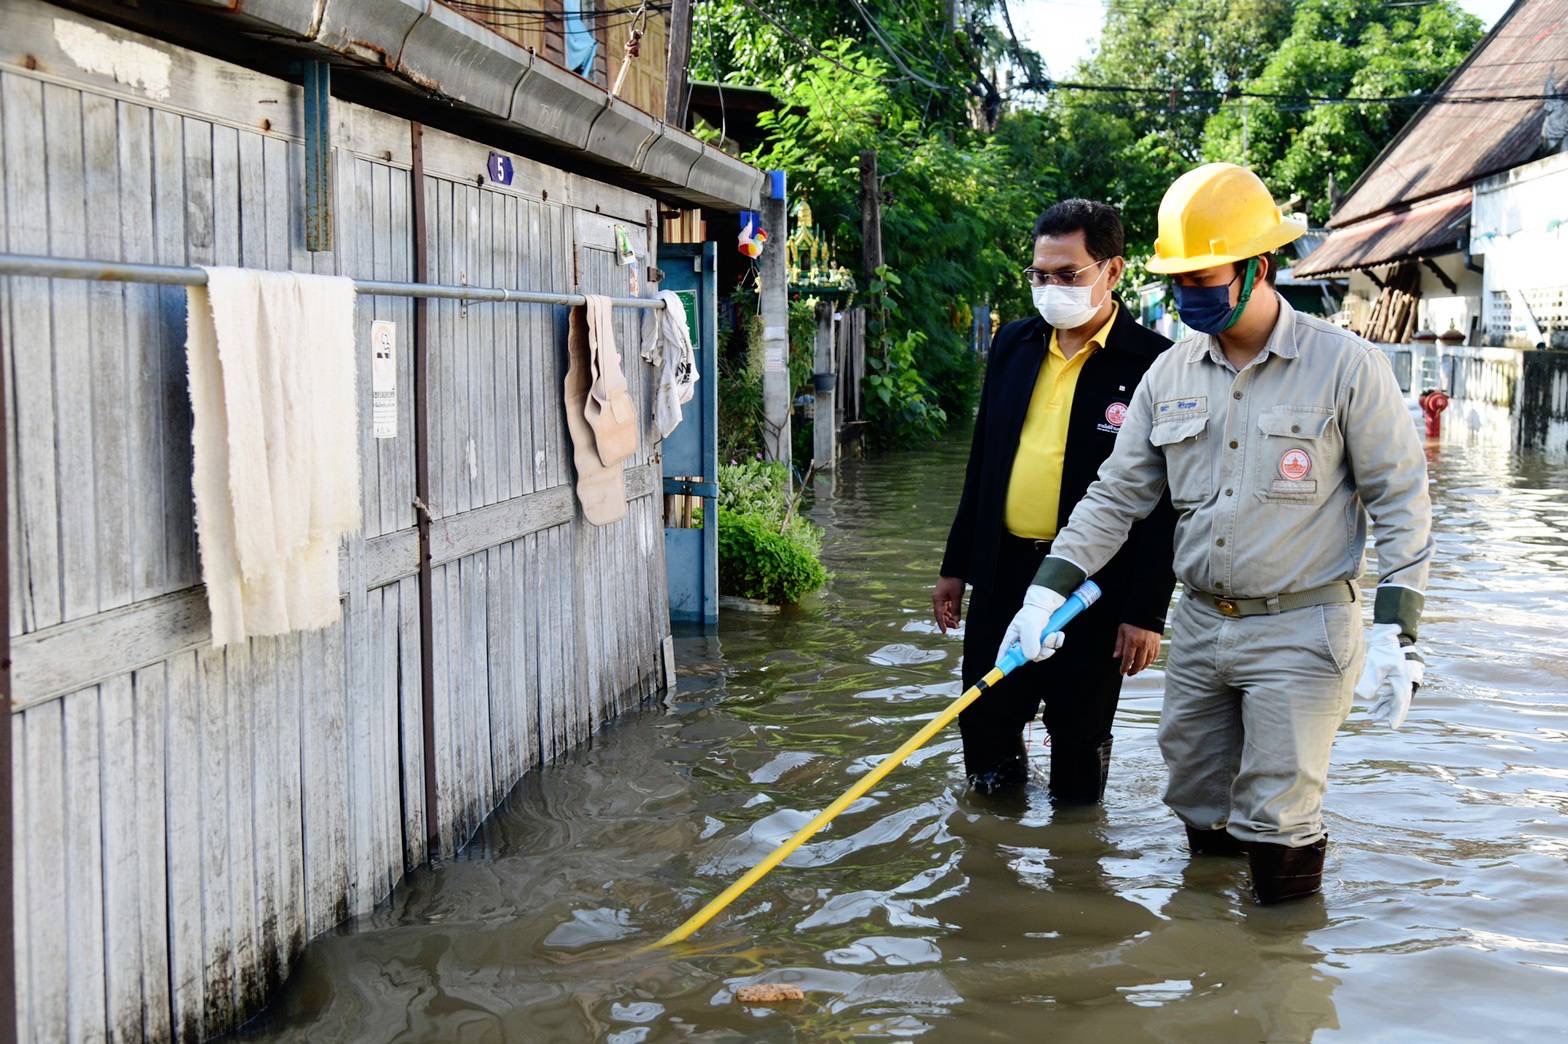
point(1188, 469)
point(1293, 464)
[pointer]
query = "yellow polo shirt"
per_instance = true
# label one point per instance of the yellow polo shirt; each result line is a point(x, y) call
point(1034, 492)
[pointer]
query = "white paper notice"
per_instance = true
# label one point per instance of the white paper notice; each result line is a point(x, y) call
point(383, 378)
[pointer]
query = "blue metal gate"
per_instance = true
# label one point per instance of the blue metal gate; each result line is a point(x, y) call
point(691, 453)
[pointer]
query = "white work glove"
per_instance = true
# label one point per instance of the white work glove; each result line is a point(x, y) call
point(1039, 603)
point(1390, 676)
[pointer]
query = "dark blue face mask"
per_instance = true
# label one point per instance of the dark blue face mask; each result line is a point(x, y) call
point(1207, 309)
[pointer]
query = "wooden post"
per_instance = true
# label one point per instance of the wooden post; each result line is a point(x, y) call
point(824, 429)
point(774, 306)
point(676, 62)
point(870, 216)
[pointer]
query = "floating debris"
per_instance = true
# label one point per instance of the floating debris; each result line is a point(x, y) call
point(768, 993)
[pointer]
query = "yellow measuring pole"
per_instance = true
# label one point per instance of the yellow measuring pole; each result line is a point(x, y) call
point(849, 797)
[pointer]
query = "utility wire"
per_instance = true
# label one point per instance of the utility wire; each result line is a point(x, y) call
point(482, 7)
point(1437, 98)
point(1030, 69)
point(876, 31)
point(495, 22)
point(813, 49)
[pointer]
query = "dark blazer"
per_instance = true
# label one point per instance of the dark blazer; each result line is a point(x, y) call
point(1139, 578)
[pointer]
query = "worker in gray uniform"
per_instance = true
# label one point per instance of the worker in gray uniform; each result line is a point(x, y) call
point(1277, 435)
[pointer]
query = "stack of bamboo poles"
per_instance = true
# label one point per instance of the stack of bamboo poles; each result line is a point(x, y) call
point(1393, 318)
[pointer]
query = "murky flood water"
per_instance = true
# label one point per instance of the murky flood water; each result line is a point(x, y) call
point(920, 913)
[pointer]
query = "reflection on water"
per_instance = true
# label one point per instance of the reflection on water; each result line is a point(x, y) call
point(926, 912)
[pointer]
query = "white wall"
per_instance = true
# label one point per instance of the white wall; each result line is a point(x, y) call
point(1519, 227)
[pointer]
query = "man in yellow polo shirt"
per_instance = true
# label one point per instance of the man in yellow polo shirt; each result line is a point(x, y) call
point(1056, 389)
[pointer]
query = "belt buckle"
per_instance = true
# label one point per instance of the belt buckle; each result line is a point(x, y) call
point(1226, 607)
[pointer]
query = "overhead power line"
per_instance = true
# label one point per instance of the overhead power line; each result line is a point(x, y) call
point(1215, 94)
point(491, 10)
point(813, 49)
point(876, 31)
point(1030, 69)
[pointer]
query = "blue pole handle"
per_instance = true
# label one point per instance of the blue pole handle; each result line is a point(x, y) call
point(1087, 594)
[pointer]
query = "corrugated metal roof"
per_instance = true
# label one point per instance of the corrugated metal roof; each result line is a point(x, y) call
point(1433, 226)
point(1309, 241)
point(1451, 144)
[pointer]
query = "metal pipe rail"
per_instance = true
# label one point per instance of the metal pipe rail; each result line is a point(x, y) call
point(178, 275)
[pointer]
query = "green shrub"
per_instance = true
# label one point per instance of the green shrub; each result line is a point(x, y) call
point(757, 561)
point(753, 487)
point(760, 555)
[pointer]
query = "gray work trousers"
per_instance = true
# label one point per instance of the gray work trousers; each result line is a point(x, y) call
point(1251, 707)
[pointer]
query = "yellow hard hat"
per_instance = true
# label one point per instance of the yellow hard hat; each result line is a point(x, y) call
point(1215, 214)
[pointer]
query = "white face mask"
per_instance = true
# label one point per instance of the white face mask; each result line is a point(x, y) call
point(1066, 307)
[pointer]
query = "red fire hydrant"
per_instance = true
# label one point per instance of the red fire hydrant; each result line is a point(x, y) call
point(1433, 403)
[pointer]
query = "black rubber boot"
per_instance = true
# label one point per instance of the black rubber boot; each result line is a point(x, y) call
point(1079, 778)
point(1280, 872)
point(1213, 843)
point(1007, 776)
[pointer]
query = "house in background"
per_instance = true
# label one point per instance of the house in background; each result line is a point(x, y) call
point(1471, 174)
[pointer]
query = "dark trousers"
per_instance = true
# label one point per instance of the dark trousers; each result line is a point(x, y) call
point(1079, 686)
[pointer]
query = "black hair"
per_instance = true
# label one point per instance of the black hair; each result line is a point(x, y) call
point(1100, 224)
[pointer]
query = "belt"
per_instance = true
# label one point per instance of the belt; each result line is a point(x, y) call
point(1341, 592)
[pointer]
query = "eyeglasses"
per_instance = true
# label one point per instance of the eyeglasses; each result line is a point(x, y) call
point(1061, 277)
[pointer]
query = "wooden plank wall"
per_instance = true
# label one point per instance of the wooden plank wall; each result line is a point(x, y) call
point(644, 86)
point(189, 817)
point(537, 25)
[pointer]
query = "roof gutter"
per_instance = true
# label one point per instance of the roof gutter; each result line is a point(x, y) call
point(424, 59)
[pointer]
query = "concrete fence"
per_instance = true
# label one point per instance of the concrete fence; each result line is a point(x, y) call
point(1510, 395)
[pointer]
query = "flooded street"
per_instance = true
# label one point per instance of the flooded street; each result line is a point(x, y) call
point(921, 913)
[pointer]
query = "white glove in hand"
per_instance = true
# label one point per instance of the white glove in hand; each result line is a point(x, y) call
point(1039, 603)
point(1390, 677)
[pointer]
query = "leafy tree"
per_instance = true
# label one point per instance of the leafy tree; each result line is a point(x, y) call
point(1193, 46)
point(1338, 48)
point(962, 182)
point(955, 212)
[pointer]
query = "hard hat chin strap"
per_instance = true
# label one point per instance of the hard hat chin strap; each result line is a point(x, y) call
point(1248, 281)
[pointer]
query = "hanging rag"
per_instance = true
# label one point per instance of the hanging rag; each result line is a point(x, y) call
point(667, 345)
point(609, 410)
point(275, 436)
point(600, 488)
point(581, 44)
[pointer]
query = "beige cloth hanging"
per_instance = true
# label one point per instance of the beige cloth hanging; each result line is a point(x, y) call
point(600, 488)
point(609, 409)
point(276, 446)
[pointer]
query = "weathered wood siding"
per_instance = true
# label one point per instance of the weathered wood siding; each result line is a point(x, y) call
point(189, 817)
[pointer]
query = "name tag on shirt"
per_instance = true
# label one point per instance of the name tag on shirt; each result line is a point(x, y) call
point(1192, 406)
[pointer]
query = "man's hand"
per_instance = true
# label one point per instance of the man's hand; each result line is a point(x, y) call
point(947, 602)
point(1136, 648)
point(1039, 603)
point(1390, 677)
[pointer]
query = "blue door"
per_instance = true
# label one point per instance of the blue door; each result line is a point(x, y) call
point(691, 453)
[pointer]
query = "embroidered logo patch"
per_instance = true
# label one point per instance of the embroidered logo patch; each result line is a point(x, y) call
point(1115, 413)
point(1295, 464)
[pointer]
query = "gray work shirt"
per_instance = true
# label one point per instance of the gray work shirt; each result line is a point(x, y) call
point(1269, 469)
